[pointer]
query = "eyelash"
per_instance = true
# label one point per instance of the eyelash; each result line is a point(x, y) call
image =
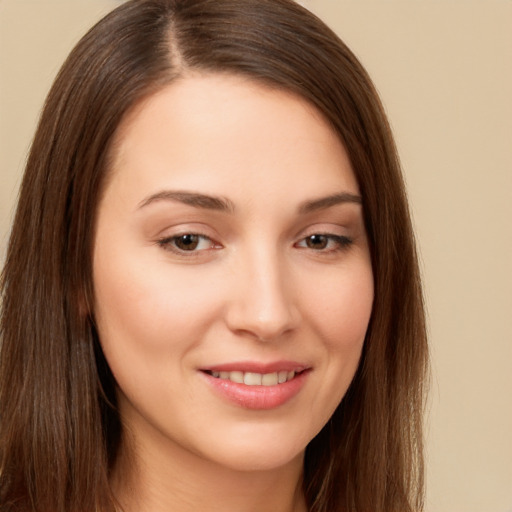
point(341, 243)
point(168, 243)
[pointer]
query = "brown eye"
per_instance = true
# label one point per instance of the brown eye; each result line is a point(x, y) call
point(326, 243)
point(317, 241)
point(187, 242)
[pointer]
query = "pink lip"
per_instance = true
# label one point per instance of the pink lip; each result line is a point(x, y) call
point(253, 366)
point(257, 397)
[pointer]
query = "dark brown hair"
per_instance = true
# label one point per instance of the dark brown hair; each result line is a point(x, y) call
point(59, 427)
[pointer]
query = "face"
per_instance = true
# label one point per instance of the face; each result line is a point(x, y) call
point(233, 284)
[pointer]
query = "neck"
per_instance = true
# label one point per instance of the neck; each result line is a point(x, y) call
point(149, 479)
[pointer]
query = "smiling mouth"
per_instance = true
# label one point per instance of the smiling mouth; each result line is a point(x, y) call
point(257, 386)
point(256, 379)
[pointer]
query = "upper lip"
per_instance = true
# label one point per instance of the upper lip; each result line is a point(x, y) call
point(257, 367)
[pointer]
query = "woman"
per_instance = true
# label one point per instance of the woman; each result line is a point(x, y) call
point(211, 296)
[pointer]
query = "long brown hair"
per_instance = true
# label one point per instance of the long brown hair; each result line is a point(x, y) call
point(59, 429)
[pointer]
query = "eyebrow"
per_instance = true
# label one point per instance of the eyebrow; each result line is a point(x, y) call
point(222, 204)
point(326, 202)
point(191, 199)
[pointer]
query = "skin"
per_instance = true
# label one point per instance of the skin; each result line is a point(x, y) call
point(256, 287)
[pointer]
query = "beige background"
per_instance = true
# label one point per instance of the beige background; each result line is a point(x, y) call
point(444, 71)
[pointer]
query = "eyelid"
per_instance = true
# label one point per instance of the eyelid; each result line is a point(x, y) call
point(339, 234)
point(342, 242)
point(171, 238)
point(167, 243)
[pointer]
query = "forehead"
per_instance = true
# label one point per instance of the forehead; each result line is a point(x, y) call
point(217, 132)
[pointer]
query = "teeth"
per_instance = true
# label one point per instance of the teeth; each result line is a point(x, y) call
point(236, 377)
point(269, 379)
point(282, 376)
point(256, 379)
point(252, 379)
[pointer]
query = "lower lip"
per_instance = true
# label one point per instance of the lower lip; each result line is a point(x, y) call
point(257, 397)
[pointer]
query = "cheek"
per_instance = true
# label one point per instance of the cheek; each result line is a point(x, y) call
point(341, 309)
point(338, 316)
point(340, 313)
point(147, 315)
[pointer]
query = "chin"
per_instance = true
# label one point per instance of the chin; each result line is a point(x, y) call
point(255, 452)
point(259, 460)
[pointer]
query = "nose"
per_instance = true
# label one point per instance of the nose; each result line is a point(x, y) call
point(264, 304)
